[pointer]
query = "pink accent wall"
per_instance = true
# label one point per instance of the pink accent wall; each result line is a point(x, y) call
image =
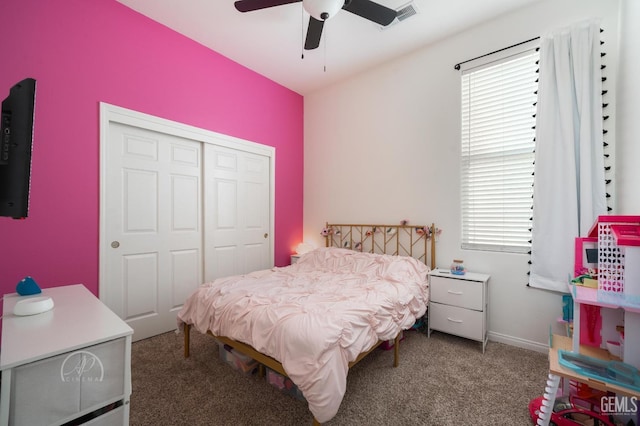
point(85, 52)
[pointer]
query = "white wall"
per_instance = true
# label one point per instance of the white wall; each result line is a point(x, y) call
point(384, 146)
point(628, 107)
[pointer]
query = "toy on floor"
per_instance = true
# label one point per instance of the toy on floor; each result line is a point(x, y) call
point(566, 412)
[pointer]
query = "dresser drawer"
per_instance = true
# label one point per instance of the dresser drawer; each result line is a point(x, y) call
point(103, 378)
point(57, 388)
point(40, 396)
point(457, 292)
point(454, 320)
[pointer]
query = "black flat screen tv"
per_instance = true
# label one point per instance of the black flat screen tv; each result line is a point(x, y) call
point(16, 143)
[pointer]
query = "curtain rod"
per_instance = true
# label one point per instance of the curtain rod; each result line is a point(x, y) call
point(457, 66)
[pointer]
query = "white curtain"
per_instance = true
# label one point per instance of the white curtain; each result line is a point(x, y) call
point(569, 183)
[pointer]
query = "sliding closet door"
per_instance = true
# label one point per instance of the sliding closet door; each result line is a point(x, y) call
point(237, 205)
point(153, 226)
point(179, 206)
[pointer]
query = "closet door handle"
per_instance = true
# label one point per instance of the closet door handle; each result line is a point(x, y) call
point(266, 235)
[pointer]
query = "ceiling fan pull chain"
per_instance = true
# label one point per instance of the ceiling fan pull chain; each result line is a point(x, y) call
point(301, 32)
point(326, 37)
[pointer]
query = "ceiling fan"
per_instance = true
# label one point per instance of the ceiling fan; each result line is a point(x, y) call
point(321, 10)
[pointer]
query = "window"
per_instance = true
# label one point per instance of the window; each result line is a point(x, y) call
point(498, 137)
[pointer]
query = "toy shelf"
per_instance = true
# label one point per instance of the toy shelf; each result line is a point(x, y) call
point(618, 267)
point(592, 296)
point(616, 240)
point(565, 343)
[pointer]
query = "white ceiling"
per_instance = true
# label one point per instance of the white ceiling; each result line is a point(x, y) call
point(269, 41)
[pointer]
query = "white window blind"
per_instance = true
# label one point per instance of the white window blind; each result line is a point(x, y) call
point(498, 131)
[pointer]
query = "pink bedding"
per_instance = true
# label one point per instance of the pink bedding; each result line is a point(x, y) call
point(315, 316)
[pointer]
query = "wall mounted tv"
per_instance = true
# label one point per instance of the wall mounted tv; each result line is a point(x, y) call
point(16, 142)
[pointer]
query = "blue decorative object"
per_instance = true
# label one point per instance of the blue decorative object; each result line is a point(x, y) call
point(27, 286)
point(457, 267)
point(567, 308)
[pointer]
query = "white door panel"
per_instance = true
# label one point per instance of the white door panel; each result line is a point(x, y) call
point(140, 190)
point(140, 280)
point(186, 266)
point(237, 223)
point(154, 198)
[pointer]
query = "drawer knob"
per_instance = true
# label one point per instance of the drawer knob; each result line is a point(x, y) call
point(459, 293)
point(454, 320)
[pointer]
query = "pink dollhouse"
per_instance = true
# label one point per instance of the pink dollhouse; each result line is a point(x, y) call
point(612, 306)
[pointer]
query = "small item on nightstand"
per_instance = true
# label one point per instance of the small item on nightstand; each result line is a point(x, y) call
point(27, 286)
point(457, 267)
point(33, 306)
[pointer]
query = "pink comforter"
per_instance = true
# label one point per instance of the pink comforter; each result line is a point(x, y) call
point(315, 316)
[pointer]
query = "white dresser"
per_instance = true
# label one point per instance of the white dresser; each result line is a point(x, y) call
point(458, 304)
point(72, 363)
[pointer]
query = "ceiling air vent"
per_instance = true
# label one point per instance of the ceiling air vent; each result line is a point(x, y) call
point(404, 12)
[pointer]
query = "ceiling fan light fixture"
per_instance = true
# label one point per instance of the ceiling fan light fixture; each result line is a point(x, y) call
point(322, 9)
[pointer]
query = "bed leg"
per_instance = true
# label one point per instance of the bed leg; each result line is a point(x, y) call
point(396, 350)
point(315, 422)
point(186, 330)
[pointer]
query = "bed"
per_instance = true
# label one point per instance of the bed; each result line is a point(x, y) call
point(315, 319)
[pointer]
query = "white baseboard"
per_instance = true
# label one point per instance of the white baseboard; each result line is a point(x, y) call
point(518, 342)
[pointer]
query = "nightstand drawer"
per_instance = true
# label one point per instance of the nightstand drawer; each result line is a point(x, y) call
point(455, 320)
point(82, 381)
point(457, 292)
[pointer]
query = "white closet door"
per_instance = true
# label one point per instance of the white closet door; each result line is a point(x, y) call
point(237, 202)
point(153, 226)
point(179, 206)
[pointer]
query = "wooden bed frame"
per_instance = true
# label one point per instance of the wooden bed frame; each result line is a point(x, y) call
point(404, 240)
point(399, 240)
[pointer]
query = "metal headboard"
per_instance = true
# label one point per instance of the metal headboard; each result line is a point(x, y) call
point(402, 240)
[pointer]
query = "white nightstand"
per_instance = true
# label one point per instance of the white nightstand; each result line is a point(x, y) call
point(61, 365)
point(458, 304)
point(294, 258)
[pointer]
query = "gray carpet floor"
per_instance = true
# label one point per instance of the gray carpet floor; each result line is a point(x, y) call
point(442, 380)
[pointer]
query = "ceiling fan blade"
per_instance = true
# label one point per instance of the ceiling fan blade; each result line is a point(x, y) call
point(249, 5)
point(372, 11)
point(314, 33)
